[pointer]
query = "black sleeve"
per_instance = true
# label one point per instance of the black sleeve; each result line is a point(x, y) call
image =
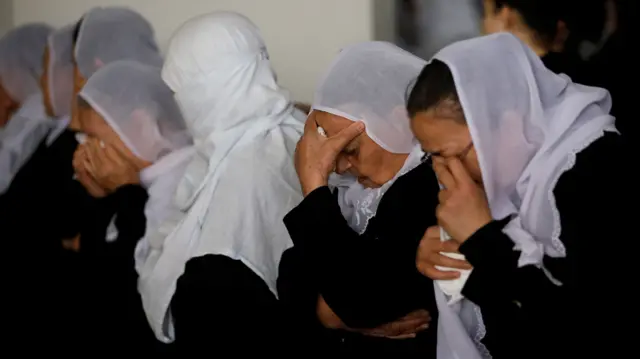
point(219, 297)
point(130, 220)
point(592, 213)
point(35, 189)
point(371, 279)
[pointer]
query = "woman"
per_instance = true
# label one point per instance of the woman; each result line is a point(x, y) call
point(523, 155)
point(56, 85)
point(351, 270)
point(32, 198)
point(22, 117)
point(547, 27)
point(137, 149)
point(210, 270)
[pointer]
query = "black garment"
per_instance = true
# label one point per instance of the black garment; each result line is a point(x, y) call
point(367, 280)
point(43, 192)
point(35, 215)
point(106, 309)
point(221, 304)
point(571, 65)
point(615, 69)
point(525, 314)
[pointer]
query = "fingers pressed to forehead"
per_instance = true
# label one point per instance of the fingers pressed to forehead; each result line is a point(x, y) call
point(344, 137)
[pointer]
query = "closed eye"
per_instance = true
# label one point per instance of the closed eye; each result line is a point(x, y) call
point(350, 151)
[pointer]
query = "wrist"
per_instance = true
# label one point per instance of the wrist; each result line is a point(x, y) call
point(311, 185)
point(475, 227)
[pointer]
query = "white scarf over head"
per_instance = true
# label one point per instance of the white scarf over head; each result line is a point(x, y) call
point(368, 82)
point(134, 101)
point(527, 125)
point(60, 78)
point(114, 33)
point(60, 69)
point(242, 181)
point(21, 58)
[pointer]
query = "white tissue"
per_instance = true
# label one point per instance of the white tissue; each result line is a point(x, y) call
point(452, 288)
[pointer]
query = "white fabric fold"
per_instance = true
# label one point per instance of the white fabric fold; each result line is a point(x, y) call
point(241, 182)
point(527, 125)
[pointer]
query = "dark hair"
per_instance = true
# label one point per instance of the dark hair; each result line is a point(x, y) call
point(76, 31)
point(542, 16)
point(435, 88)
point(585, 22)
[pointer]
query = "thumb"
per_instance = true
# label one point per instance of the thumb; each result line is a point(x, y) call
point(344, 137)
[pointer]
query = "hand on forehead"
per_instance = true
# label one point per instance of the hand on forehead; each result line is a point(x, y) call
point(332, 124)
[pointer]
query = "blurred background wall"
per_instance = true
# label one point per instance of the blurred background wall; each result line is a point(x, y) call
point(303, 36)
point(6, 15)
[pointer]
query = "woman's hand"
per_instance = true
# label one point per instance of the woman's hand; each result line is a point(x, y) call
point(80, 161)
point(403, 328)
point(316, 155)
point(429, 256)
point(406, 327)
point(463, 208)
point(110, 168)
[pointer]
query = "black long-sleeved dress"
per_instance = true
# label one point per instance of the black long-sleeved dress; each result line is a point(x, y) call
point(73, 302)
point(591, 314)
point(367, 280)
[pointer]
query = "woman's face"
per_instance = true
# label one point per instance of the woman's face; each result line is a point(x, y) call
point(362, 158)
point(44, 84)
point(94, 126)
point(7, 106)
point(445, 137)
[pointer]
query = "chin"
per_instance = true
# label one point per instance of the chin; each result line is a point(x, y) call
point(367, 183)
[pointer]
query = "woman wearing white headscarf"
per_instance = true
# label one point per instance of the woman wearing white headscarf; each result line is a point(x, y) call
point(136, 151)
point(23, 121)
point(102, 36)
point(352, 267)
point(535, 179)
point(56, 85)
point(209, 273)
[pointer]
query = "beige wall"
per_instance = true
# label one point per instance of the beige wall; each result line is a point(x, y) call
point(302, 35)
point(6, 15)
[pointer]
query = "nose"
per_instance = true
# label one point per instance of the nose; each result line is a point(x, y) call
point(342, 165)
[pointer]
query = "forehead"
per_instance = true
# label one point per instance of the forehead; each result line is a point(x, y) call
point(331, 123)
point(434, 131)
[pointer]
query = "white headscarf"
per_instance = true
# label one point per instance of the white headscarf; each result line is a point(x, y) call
point(21, 59)
point(139, 107)
point(527, 125)
point(369, 82)
point(60, 78)
point(242, 182)
point(112, 34)
point(60, 71)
